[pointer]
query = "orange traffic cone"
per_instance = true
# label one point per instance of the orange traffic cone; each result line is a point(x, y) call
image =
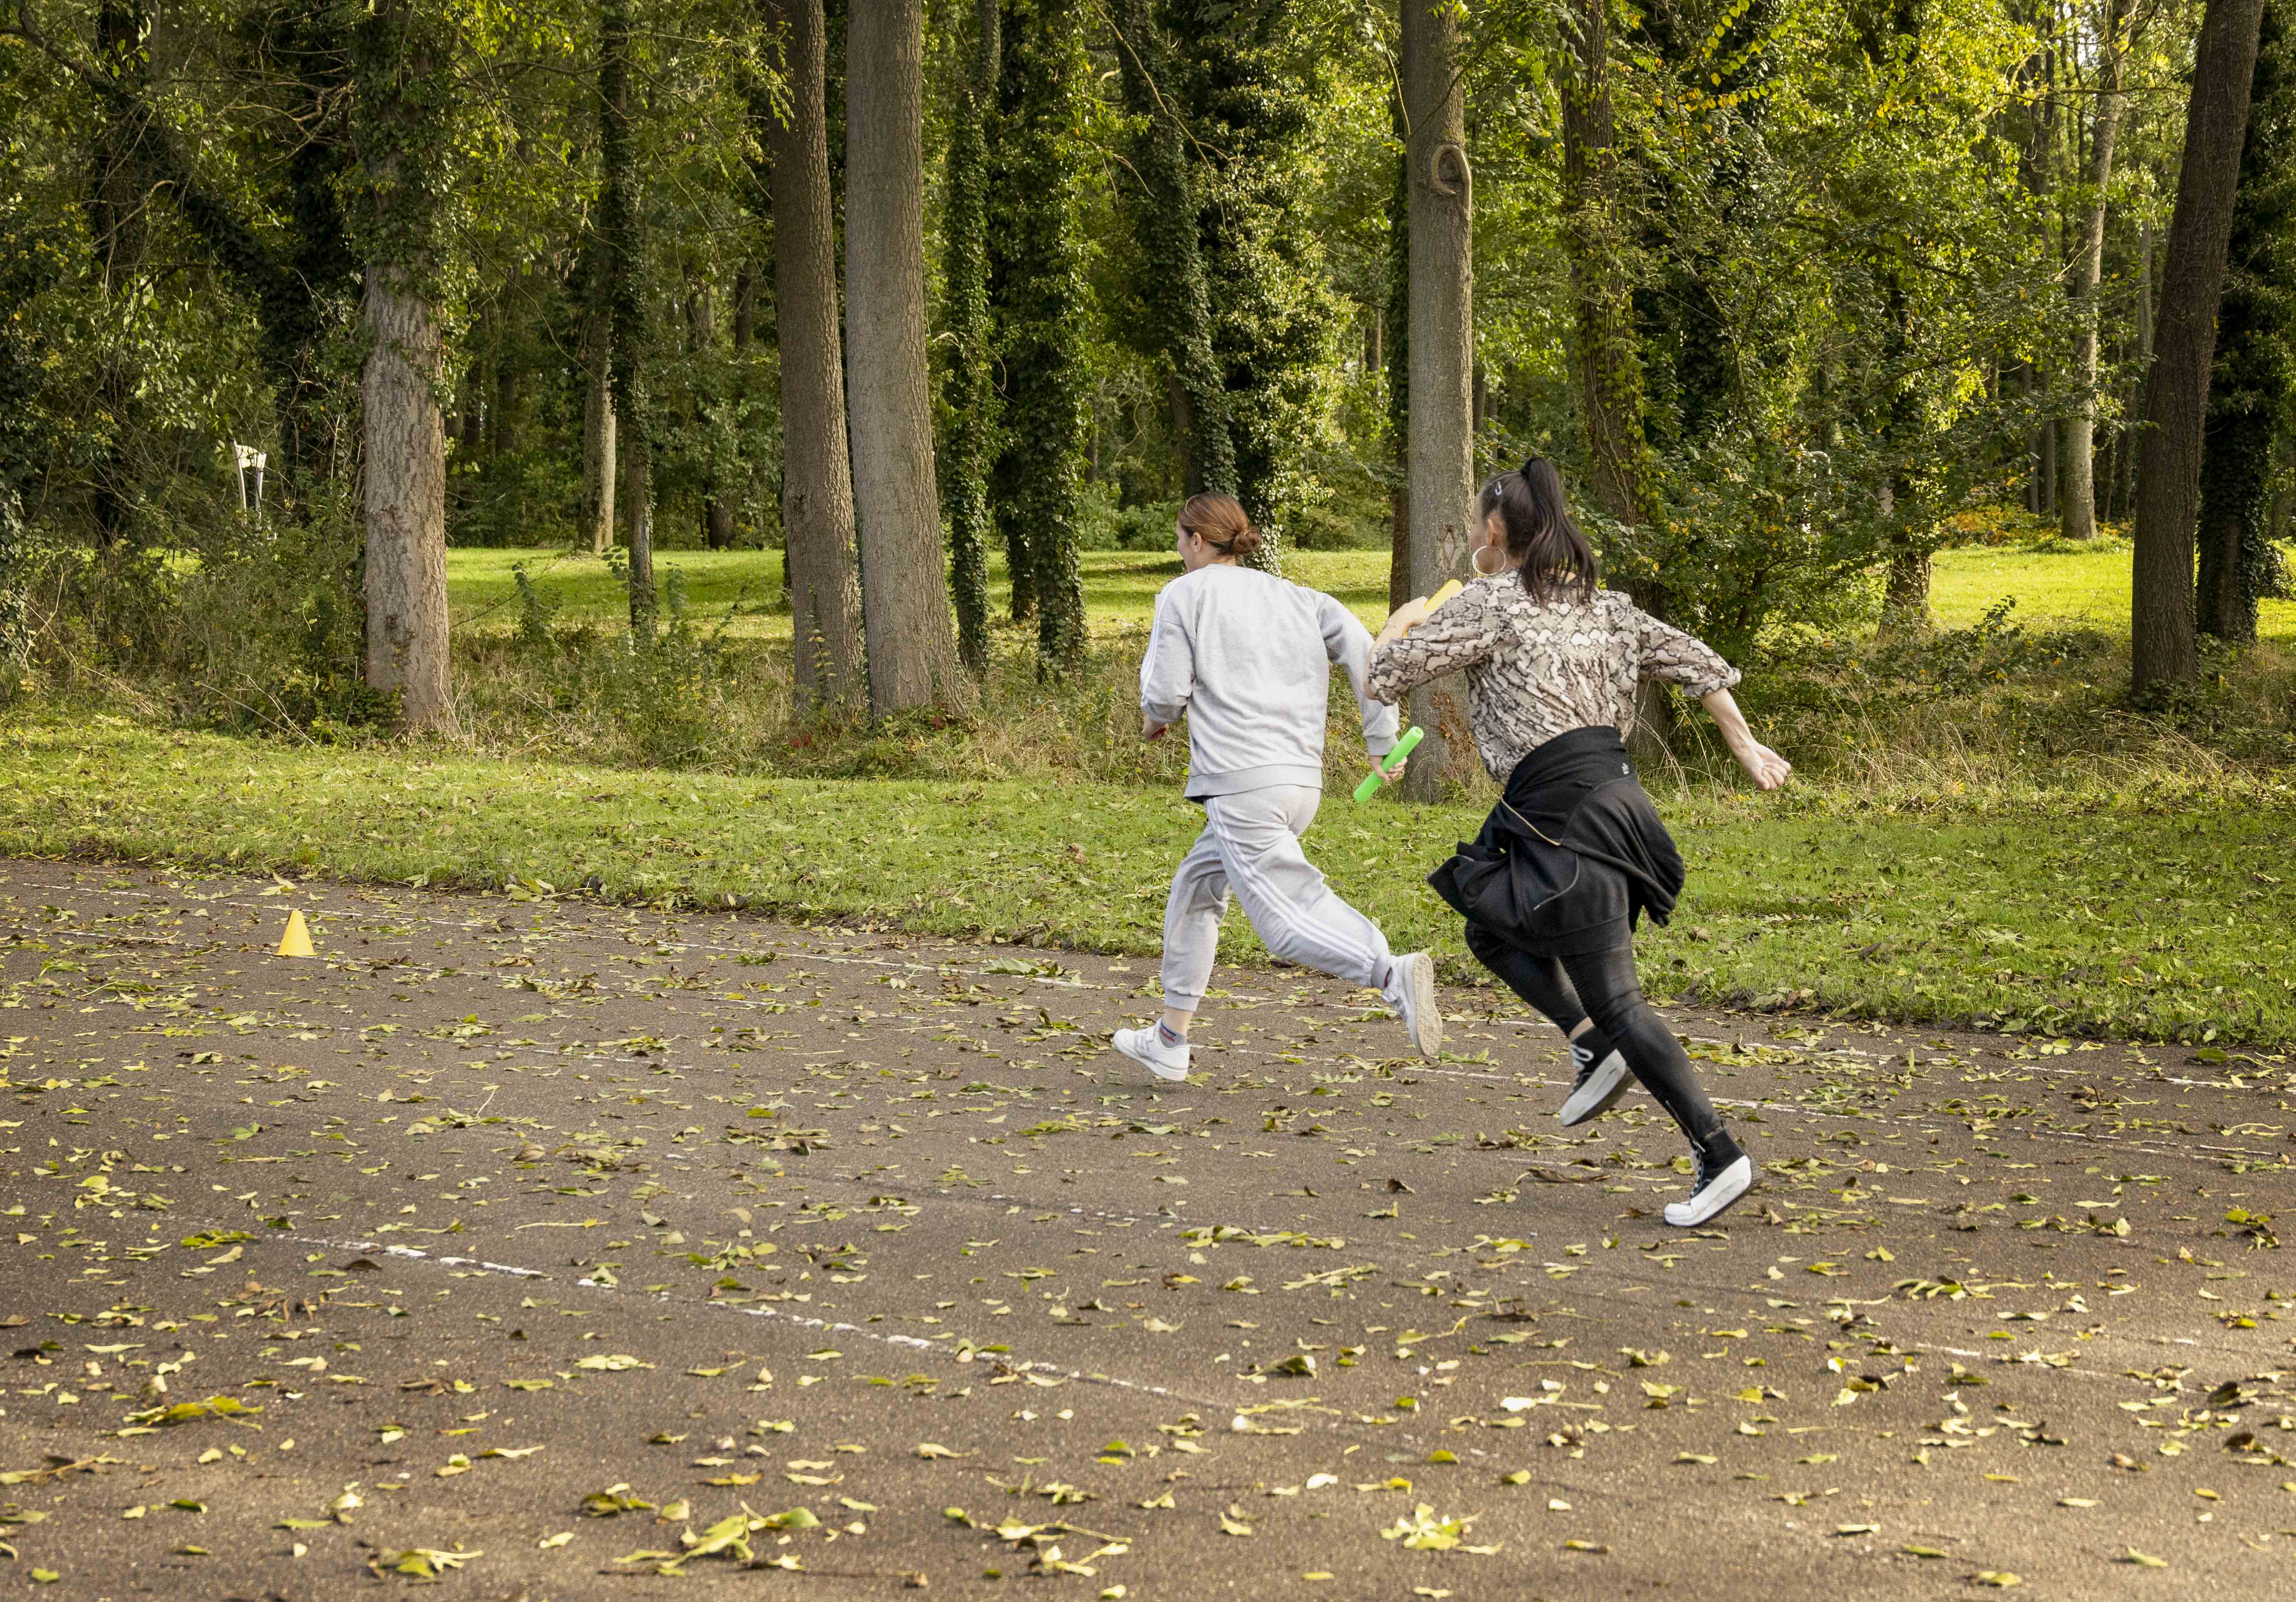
point(297, 940)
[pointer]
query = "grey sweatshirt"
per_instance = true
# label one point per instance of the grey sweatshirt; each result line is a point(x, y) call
point(1249, 658)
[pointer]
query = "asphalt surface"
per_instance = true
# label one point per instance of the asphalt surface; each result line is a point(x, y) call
point(535, 1243)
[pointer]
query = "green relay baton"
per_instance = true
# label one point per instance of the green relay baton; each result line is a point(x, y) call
point(1371, 781)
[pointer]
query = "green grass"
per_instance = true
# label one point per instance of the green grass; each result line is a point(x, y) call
point(2154, 913)
point(746, 587)
point(2055, 586)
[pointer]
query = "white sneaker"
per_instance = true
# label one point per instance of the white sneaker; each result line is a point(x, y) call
point(1599, 1085)
point(1411, 989)
point(1146, 1047)
point(1711, 1193)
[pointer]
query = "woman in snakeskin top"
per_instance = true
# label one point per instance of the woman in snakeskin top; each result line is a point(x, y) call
point(1575, 853)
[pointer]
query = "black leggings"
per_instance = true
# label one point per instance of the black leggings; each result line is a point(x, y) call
point(1601, 986)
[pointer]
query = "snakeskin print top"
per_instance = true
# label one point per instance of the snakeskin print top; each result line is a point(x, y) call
point(1535, 670)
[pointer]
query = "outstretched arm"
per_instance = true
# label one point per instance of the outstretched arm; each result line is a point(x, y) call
point(1764, 765)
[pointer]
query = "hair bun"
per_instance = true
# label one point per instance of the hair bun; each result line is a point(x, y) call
point(1220, 521)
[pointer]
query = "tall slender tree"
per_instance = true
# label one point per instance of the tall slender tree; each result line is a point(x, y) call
point(1442, 348)
point(971, 388)
point(825, 587)
point(1605, 357)
point(1237, 77)
point(911, 644)
point(2252, 391)
point(1039, 290)
point(1395, 282)
point(1169, 270)
point(403, 66)
point(628, 303)
point(2163, 648)
point(2078, 502)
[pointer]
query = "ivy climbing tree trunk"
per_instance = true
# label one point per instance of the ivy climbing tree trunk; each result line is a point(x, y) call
point(911, 646)
point(825, 587)
point(1606, 355)
point(2253, 385)
point(1170, 270)
point(2162, 647)
point(972, 389)
point(2078, 511)
point(404, 86)
point(622, 253)
point(1039, 290)
point(120, 230)
point(1441, 436)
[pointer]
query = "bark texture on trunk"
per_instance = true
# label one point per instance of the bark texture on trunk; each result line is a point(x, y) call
point(637, 530)
point(911, 641)
point(622, 252)
point(1440, 432)
point(404, 137)
point(2161, 645)
point(598, 451)
point(2078, 519)
point(403, 498)
point(824, 588)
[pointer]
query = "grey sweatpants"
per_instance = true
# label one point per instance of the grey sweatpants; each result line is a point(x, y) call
point(1250, 843)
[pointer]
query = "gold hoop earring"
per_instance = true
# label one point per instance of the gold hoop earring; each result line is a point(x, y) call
point(1475, 561)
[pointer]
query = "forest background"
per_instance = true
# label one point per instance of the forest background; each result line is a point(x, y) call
point(866, 350)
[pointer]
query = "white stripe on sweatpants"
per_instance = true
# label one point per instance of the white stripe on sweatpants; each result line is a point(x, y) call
point(1252, 842)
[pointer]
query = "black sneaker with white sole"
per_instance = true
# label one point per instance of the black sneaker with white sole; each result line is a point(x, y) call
point(1724, 1173)
point(1599, 1085)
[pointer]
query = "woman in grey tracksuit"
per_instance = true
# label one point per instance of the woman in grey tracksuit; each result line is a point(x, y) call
point(1248, 658)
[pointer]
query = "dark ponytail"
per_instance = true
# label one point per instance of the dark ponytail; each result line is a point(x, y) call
point(1556, 562)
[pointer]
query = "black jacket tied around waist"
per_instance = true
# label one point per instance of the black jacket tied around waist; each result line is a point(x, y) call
point(1571, 857)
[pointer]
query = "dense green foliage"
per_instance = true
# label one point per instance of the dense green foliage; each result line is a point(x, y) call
point(1168, 235)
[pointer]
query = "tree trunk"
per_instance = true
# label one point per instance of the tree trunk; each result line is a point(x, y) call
point(622, 251)
point(717, 502)
point(1170, 271)
point(599, 452)
point(971, 390)
point(637, 519)
point(1609, 366)
point(405, 139)
point(2250, 386)
point(824, 589)
point(912, 646)
point(2163, 648)
point(1441, 437)
point(1606, 355)
point(1038, 278)
point(118, 223)
point(2079, 520)
point(1396, 325)
point(404, 502)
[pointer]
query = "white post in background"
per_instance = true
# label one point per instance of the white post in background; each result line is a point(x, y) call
point(243, 457)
